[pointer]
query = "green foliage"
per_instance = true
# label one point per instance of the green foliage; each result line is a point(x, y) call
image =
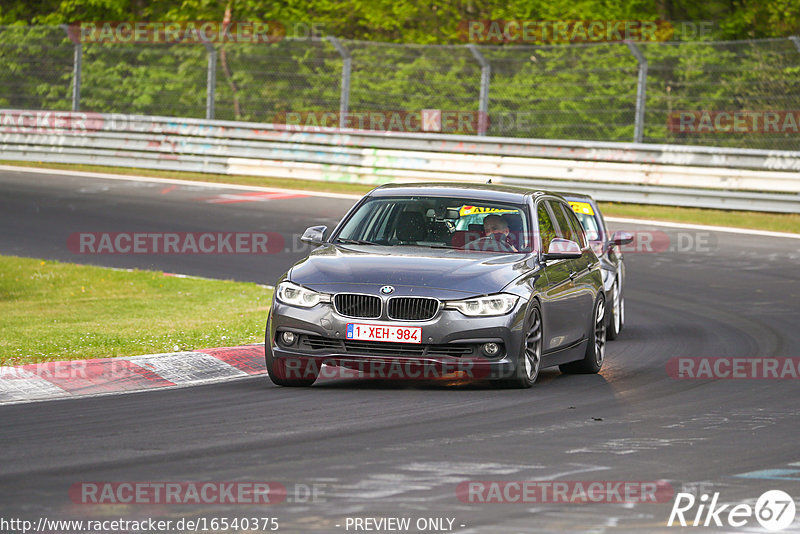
point(426, 22)
point(144, 79)
point(749, 76)
point(547, 91)
point(35, 68)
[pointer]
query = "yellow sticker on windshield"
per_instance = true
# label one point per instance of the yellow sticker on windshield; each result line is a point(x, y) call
point(582, 207)
point(473, 210)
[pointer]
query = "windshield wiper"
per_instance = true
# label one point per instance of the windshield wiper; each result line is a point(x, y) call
point(355, 241)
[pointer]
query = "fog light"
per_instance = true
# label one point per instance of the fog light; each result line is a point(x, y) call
point(288, 338)
point(491, 349)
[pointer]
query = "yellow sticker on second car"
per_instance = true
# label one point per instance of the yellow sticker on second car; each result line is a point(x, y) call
point(473, 210)
point(582, 207)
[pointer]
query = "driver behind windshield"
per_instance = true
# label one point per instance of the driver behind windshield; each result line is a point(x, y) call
point(495, 238)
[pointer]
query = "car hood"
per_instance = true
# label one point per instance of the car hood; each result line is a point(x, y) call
point(442, 273)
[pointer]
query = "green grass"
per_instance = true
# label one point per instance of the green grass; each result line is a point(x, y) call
point(776, 222)
point(52, 311)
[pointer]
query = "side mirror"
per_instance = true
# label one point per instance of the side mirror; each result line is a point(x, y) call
point(562, 249)
point(314, 235)
point(621, 238)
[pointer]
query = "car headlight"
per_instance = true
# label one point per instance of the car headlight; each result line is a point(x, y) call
point(296, 295)
point(498, 304)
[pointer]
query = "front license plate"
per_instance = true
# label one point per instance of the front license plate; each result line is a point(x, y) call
point(388, 333)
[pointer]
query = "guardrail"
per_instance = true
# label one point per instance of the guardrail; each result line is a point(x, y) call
point(675, 175)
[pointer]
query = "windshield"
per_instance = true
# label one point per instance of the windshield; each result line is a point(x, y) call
point(438, 222)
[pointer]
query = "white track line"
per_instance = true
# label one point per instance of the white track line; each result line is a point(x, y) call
point(173, 181)
point(324, 194)
point(728, 229)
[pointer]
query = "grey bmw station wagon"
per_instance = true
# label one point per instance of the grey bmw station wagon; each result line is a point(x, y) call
point(467, 281)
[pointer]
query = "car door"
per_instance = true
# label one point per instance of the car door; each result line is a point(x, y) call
point(584, 276)
point(579, 303)
point(557, 296)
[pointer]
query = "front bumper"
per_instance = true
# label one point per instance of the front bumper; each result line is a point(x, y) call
point(450, 348)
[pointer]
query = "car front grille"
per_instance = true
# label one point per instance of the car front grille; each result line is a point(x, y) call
point(377, 348)
point(412, 308)
point(357, 306)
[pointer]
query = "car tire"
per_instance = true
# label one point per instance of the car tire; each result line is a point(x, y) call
point(616, 312)
point(596, 349)
point(529, 360)
point(303, 374)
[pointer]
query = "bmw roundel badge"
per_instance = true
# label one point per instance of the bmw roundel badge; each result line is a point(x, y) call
point(387, 290)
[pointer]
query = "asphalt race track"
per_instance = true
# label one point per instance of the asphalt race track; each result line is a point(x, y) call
point(39, 213)
point(377, 449)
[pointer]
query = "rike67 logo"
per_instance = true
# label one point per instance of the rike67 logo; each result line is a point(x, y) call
point(774, 510)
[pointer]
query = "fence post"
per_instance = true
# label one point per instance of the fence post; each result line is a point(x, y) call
point(77, 59)
point(796, 40)
point(641, 90)
point(347, 62)
point(211, 80)
point(483, 104)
